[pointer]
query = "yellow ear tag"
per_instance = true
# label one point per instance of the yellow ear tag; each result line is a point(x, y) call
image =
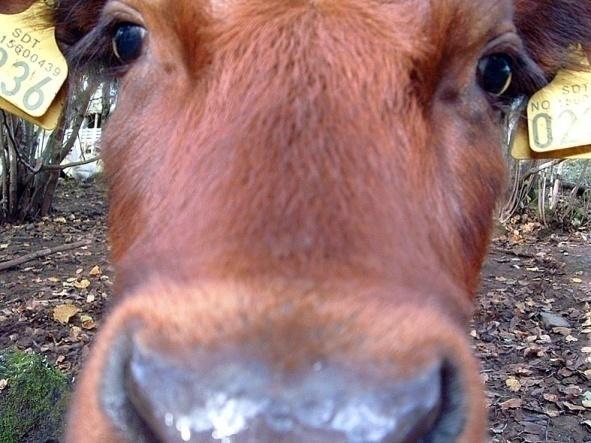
point(32, 68)
point(49, 120)
point(522, 151)
point(559, 118)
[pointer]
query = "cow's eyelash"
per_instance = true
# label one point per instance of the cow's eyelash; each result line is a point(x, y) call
point(95, 50)
point(529, 77)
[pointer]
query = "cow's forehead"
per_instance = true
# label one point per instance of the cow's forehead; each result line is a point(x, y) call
point(427, 9)
point(438, 24)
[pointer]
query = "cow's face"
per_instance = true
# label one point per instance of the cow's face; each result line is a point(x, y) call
point(301, 197)
point(353, 131)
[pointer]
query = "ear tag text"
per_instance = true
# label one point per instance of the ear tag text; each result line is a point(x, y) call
point(32, 68)
point(521, 149)
point(49, 120)
point(559, 115)
point(559, 119)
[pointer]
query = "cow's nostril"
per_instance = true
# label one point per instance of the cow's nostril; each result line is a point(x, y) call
point(223, 398)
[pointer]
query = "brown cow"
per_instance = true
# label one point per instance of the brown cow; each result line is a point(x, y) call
point(301, 196)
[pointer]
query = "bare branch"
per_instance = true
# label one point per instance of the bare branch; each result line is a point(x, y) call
point(34, 169)
point(541, 168)
point(42, 253)
point(71, 165)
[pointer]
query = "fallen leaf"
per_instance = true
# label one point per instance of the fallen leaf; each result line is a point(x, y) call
point(82, 284)
point(577, 280)
point(551, 397)
point(523, 371)
point(552, 412)
point(75, 332)
point(4, 246)
point(3, 384)
point(513, 384)
point(60, 220)
point(90, 298)
point(95, 272)
point(514, 403)
point(573, 407)
point(63, 313)
point(544, 339)
point(572, 390)
point(53, 279)
point(562, 331)
point(87, 322)
point(534, 351)
point(586, 350)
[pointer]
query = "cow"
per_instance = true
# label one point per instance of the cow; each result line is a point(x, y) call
point(301, 197)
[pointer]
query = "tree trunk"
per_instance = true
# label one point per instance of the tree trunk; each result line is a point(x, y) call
point(28, 187)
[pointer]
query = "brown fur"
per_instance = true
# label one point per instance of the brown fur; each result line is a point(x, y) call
point(333, 156)
point(14, 6)
point(549, 27)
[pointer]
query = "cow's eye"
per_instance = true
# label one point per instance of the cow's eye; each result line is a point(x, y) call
point(128, 41)
point(495, 73)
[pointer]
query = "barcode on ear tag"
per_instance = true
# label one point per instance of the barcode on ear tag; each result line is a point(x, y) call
point(32, 68)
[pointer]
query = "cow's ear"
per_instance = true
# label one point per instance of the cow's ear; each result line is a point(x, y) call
point(550, 28)
point(75, 19)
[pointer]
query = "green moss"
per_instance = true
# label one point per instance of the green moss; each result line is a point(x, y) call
point(33, 404)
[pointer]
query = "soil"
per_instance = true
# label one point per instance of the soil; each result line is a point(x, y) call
point(536, 371)
point(30, 294)
point(531, 327)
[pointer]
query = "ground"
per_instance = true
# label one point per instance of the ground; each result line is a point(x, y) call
point(531, 329)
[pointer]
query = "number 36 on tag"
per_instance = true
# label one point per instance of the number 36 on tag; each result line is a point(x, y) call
point(32, 68)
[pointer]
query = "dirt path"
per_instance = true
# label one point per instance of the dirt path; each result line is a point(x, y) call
point(536, 372)
point(30, 294)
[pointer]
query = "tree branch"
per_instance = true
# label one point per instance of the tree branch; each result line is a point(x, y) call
point(34, 169)
point(544, 166)
point(42, 253)
point(71, 165)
